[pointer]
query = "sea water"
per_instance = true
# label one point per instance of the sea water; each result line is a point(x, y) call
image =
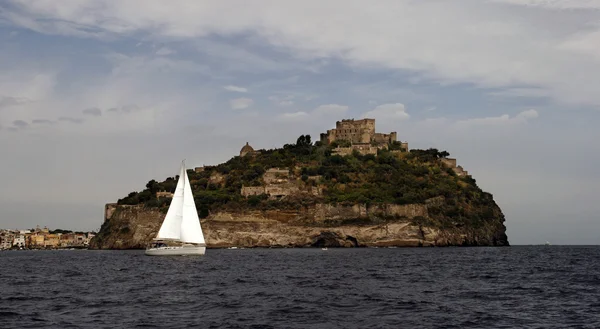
point(507, 287)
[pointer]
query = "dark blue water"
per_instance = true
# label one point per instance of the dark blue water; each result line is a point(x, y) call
point(513, 287)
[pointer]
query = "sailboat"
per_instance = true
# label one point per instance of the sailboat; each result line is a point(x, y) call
point(180, 233)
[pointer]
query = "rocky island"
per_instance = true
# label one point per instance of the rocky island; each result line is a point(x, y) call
point(352, 188)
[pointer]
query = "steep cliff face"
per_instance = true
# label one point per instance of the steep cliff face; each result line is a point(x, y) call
point(127, 227)
point(319, 225)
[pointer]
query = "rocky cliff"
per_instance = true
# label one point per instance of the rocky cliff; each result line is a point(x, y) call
point(322, 225)
point(305, 195)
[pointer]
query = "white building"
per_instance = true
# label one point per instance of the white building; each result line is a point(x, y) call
point(19, 240)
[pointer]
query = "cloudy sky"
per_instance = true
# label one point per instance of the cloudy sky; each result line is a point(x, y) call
point(98, 97)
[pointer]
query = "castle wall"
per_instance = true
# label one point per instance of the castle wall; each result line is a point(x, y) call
point(361, 148)
point(449, 162)
point(276, 175)
point(164, 194)
point(343, 151)
point(281, 190)
point(252, 190)
point(404, 146)
point(460, 171)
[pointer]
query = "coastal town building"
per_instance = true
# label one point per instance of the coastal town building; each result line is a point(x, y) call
point(43, 239)
point(19, 241)
point(6, 240)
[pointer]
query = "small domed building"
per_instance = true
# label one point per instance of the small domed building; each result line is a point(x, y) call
point(247, 149)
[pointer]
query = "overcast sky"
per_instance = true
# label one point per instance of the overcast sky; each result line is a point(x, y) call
point(99, 97)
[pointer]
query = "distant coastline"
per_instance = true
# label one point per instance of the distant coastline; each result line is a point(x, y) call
point(44, 239)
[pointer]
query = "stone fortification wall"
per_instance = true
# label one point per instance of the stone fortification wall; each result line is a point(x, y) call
point(449, 162)
point(252, 190)
point(281, 190)
point(361, 148)
point(379, 138)
point(164, 194)
point(276, 176)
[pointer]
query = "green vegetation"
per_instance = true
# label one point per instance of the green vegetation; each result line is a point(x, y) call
point(392, 176)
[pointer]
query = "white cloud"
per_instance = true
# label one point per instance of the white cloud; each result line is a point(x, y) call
point(504, 119)
point(236, 89)
point(164, 51)
point(383, 112)
point(279, 98)
point(124, 65)
point(283, 100)
point(240, 103)
point(330, 109)
point(485, 43)
point(295, 116)
point(528, 114)
point(25, 85)
point(521, 92)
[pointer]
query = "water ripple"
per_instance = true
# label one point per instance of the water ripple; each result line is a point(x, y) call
point(516, 287)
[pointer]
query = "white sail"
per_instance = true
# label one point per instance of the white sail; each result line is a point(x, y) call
point(191, 231)
point(171, 226)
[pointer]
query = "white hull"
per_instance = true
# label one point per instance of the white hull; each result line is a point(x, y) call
point(176, 251)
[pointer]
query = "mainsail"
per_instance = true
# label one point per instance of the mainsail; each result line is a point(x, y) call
point(190, 224)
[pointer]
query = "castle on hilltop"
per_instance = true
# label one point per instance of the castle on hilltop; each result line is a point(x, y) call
point(361, 135)
point(350, 135)
point(356, 132)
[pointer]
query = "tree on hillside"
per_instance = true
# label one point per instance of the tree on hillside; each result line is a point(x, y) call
point(152, 186)
point(304, 141)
